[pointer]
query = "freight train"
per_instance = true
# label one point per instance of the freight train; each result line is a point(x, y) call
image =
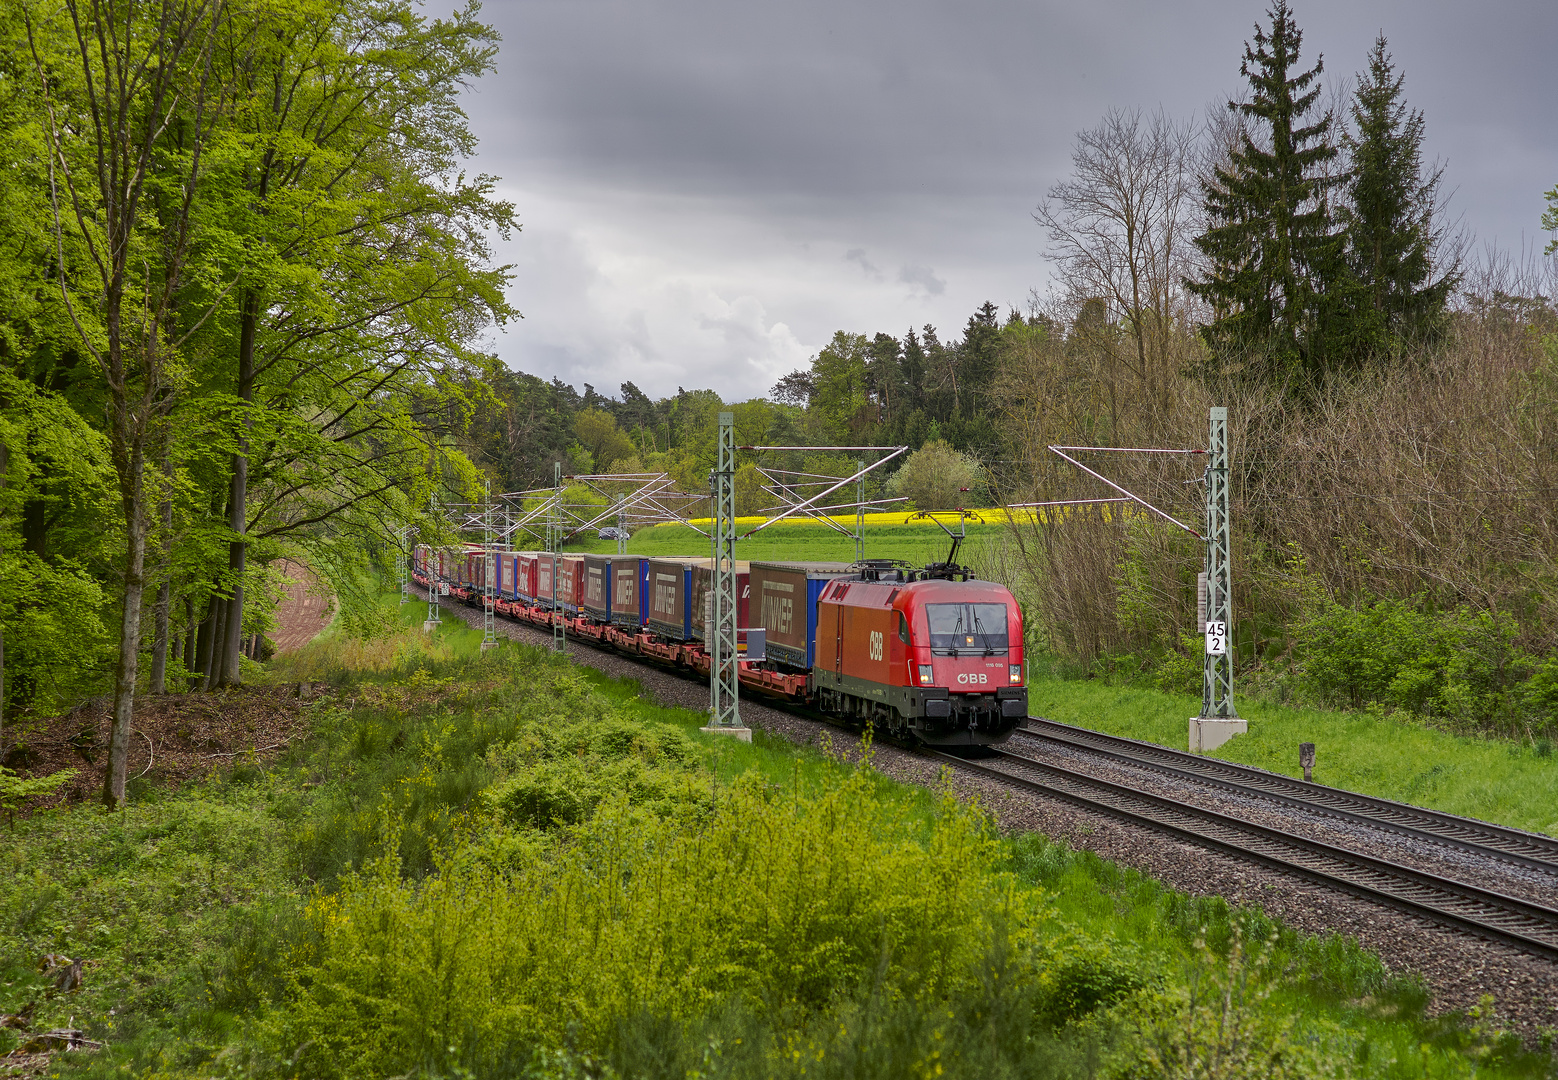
point(930, 655)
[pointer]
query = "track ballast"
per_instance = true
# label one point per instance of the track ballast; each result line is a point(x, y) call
point(1481, 838)
point(1533, 928)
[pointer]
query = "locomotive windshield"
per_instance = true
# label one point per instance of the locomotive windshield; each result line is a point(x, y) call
point(967, 627)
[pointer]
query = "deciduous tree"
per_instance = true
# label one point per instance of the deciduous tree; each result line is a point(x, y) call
point(1119, 232)
point(132, 101)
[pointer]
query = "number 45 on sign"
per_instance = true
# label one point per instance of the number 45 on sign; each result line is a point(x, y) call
point(1217, 639)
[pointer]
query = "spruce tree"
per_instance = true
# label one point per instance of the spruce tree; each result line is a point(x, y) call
point(1388, 217)
point(1270, 241)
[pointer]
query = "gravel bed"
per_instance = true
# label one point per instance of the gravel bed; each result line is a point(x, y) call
point(1457, 864)
point(1459, 969)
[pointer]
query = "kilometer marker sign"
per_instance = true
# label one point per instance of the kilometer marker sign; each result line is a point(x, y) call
point(1216, 639)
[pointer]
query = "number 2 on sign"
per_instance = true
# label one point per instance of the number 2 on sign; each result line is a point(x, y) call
point(1217, 639)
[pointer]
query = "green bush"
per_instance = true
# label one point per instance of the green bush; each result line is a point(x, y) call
point(1464, 666)
point(1182, 670)
point(568, 791)
point(782, 903)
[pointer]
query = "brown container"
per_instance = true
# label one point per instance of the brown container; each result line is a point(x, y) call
point(785, 595)
point(601, 584)
point(703, 581)
point(670, 597)
point(629, 591)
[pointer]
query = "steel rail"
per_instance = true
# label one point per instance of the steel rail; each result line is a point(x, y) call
point(1530, 850)
point(1529, 927)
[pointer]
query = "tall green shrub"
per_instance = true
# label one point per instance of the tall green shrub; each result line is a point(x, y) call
point(1465, 666)
point(784, 900)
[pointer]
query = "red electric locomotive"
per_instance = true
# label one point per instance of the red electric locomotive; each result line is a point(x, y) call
point(932, 656)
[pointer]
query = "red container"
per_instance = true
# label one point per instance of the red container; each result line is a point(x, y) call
point(570, 581)
point(567, 582)
point(525, 563)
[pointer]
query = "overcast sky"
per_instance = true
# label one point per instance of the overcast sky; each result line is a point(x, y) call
point(710, 189)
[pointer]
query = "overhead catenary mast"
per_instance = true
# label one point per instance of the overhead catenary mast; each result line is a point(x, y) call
point(1219, 721)
point(724, 660)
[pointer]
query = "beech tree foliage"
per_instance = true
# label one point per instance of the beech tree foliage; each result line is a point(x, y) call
point(242, 257)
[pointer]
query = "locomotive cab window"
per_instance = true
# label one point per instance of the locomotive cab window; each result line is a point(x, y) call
point(903, 628)
point(958, 628)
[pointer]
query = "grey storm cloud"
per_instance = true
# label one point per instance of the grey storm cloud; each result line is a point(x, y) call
point(858, 255)
point(924, 277)
point(704, 164)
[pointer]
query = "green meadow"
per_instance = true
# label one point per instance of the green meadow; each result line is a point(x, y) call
point(887, 536)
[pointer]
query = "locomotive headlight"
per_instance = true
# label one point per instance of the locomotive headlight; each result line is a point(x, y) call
point(1016, 674)
point(924, 674)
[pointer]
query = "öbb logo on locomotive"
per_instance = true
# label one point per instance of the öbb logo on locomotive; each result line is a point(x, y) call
point(932, 655)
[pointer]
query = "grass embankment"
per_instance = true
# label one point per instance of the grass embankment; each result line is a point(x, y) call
point(888, 536)
point(1491, 779)
point(503, 865)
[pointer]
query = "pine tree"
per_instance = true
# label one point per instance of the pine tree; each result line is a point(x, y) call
point(1271, 241)
point(978, 359)
point(1388, 218)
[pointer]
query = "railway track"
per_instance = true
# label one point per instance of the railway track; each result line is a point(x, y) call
point(1531, 927)
point(1480, 838)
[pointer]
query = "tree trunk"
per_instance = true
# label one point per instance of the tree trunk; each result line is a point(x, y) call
point(207, 640)
point(191, 635)
point(159, 646)
point(129, 651)
point(238, 550)
point(218, 643)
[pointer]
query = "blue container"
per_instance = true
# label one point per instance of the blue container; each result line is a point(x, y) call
point(631, 607)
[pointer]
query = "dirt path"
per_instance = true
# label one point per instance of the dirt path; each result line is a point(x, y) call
point(304, 610)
